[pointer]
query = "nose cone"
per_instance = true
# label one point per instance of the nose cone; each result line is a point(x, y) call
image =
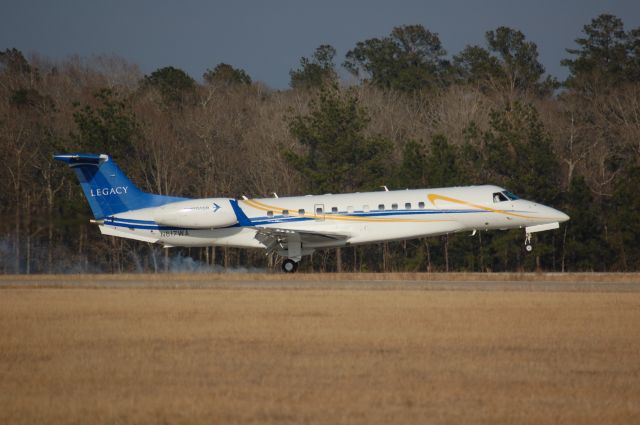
point(564, 217)
point(548, 214)
point(559, 215)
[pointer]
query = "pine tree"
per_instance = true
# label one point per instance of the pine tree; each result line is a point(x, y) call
point(337, 155)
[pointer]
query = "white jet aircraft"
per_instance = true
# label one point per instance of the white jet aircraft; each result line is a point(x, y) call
point(295, 226)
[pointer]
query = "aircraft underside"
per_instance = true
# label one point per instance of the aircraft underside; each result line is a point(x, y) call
point(289, 242)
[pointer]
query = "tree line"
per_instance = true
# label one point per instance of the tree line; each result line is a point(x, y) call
point(413, 117)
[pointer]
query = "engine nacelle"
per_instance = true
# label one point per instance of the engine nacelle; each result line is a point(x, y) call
point(197, 214)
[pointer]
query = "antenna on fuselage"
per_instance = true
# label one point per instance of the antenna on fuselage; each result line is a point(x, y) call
point(386, 189)
point(275, 195)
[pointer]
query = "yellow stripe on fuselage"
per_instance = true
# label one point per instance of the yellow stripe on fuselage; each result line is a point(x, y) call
point(278, 210)
point(432, 197)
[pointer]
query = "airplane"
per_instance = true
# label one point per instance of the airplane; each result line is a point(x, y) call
point(295, 226)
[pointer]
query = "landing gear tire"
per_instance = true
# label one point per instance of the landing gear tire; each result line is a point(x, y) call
point(289, 266)
point(528, 248)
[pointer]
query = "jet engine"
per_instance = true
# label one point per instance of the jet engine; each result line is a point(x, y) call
point(197, 214)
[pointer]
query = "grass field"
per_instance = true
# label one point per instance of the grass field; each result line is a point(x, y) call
point(318, 356)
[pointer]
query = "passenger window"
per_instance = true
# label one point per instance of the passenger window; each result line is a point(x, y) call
point(499, 197)
point(334, 209)
point(381, 207)
point(407, 206)
point(269, 213)
point(319, 210)
point(421, 205)
point(301, 211)
point(285, 213)
point(394, 206)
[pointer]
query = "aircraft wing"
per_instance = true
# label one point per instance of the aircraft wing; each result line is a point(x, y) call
point(275, 238)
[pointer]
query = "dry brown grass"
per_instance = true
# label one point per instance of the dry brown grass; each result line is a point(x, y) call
point(322, 356)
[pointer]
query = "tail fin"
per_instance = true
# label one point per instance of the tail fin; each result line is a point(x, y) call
point(108, 190)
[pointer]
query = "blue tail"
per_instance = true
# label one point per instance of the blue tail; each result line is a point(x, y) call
point(108, 190)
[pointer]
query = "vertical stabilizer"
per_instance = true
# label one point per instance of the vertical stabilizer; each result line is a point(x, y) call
point(107, 189)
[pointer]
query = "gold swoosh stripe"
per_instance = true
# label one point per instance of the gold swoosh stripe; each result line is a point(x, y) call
point(432, 197)
point(277, 210)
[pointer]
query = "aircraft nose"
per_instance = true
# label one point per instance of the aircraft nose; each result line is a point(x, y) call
point(560, 216)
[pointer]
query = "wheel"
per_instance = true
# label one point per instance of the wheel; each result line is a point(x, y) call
point(528, 247)
point(289, 266)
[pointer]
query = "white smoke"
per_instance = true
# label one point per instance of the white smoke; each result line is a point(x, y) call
point(64, 260)
point(181, 263)
point(141, 260)
point(184, 264)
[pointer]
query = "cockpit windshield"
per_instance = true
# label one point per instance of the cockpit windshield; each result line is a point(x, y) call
point(511, 196)
point(504, 196)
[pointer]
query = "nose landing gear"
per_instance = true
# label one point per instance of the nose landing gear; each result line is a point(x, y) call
point(527, 242)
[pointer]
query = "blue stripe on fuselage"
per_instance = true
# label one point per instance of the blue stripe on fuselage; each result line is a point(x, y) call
point(245, 221)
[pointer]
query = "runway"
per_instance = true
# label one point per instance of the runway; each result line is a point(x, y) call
point(535, 282)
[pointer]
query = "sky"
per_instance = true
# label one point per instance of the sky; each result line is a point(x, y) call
point(268, 38)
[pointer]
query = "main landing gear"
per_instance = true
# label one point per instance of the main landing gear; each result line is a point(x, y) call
point(527, 242)
point(289, 266)
point(293, 253)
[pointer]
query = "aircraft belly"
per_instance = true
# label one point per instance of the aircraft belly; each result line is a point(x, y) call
point(358, 232)
point(377, 232)
point(491, 221)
